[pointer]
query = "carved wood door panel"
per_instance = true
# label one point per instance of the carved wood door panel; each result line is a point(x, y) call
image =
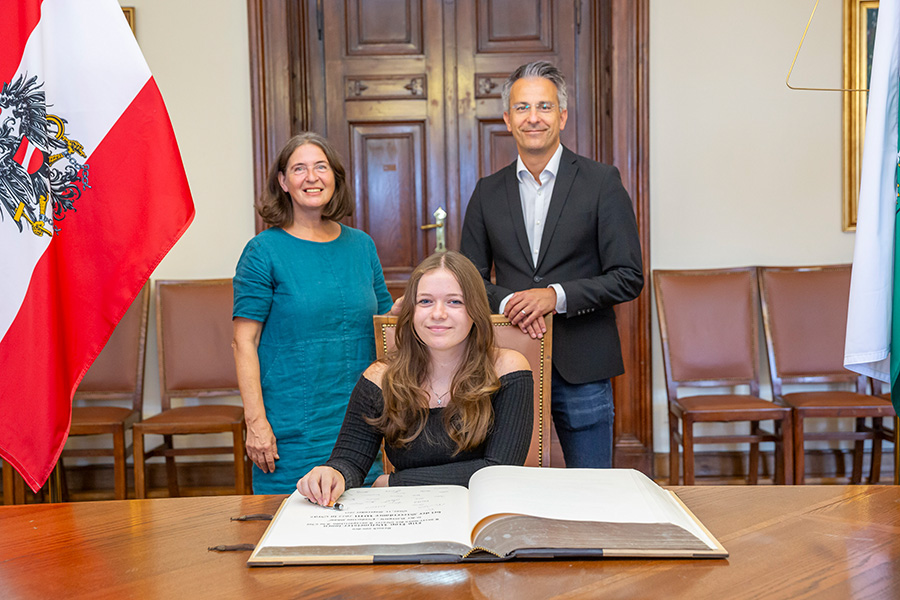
point(495, 37)
point(412, 92)
point(385, 112)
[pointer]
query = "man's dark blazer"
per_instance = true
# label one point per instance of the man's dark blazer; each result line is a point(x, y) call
point(590, 246)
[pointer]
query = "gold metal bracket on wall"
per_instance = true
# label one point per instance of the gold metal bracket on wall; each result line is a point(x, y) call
point(787, 80)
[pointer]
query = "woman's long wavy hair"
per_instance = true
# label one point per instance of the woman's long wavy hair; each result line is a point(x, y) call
point(469, 415)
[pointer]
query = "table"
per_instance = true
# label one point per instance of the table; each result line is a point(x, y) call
point(785, 542)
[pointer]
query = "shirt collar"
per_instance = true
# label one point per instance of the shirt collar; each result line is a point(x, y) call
point(552, 166)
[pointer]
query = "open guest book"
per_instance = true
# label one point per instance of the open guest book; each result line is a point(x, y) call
point(507, 513)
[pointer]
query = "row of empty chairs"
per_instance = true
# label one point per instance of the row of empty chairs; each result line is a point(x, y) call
point(709, 327)
point(193, 325)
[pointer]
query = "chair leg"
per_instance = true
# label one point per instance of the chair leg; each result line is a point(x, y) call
point(120, 481)
point(13, 486)
point(171, 470)
point(897, 450)
point(674, 467)
point(858, 451)
point(786, 444)
point(19, 490)
point(878, 435)
point(753, 462)
point(140, 474)
point(779, 453)
point(8, 484)
point(63, 482)
point(799, 457)
point(687, 443)
point(240, 483)
point(248, 473)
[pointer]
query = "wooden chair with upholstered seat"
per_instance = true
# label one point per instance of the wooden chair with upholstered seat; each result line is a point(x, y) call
point(539, 355)
point(805, 317)
point(194, 332)
point(117, 375)
point(708, 321)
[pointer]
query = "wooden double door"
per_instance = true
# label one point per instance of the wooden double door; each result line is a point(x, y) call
point(412, 100)
point(410, 93)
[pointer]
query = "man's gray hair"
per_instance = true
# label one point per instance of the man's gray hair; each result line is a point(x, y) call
point(542, 69)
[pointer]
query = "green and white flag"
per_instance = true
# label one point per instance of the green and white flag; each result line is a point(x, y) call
point(873, 288)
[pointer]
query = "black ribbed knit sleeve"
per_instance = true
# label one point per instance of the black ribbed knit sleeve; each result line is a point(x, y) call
point(430, 459)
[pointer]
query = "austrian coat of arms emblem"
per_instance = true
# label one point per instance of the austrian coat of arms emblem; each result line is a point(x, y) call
point(43, 171)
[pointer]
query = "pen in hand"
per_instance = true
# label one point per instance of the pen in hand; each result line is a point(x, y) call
point(335, 506)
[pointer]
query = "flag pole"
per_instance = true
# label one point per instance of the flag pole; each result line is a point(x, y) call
point(896, 450)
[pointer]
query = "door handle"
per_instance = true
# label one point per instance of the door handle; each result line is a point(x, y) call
point(440, 217)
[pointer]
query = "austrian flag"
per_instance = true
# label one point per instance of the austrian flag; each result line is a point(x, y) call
point(92, 196)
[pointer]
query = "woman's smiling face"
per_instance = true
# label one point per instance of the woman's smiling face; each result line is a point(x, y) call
point(308, 178)
point(440, 319)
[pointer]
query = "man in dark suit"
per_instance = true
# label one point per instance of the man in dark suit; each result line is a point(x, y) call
point(560, 232)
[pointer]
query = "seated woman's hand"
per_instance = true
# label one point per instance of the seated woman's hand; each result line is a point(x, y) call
point(262, 447)
point(381, 481)
point(323, 484)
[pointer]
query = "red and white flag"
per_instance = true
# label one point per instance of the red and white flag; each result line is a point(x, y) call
point(92, 196)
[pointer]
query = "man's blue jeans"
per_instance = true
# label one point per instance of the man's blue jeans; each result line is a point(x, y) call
point(583, 415)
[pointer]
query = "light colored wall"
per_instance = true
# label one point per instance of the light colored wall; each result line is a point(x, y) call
point(743, 171)
point(198, 54)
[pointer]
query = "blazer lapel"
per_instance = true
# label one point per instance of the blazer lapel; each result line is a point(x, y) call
point(564, 178)
point(514, 204)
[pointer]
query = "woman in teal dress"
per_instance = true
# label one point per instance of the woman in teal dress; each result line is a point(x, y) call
point(305, 291)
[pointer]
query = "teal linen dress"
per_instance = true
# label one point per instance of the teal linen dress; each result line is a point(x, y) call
point(316, 301)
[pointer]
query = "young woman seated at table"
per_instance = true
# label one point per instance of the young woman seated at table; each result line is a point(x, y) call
point(446, 402)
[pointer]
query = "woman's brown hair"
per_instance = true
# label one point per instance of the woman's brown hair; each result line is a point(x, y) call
point(469, 415)
point(276, 208)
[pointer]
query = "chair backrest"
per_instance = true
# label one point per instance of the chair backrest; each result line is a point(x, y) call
point(708, 322)
point(118, 371)
point(805, 320)
point(194, 333)
point(539, 355)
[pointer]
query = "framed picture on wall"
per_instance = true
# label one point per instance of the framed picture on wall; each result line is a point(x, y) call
point(860, 18)
point(129, 16)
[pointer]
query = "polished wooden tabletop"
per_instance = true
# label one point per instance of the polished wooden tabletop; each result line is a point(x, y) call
point(793, 542)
